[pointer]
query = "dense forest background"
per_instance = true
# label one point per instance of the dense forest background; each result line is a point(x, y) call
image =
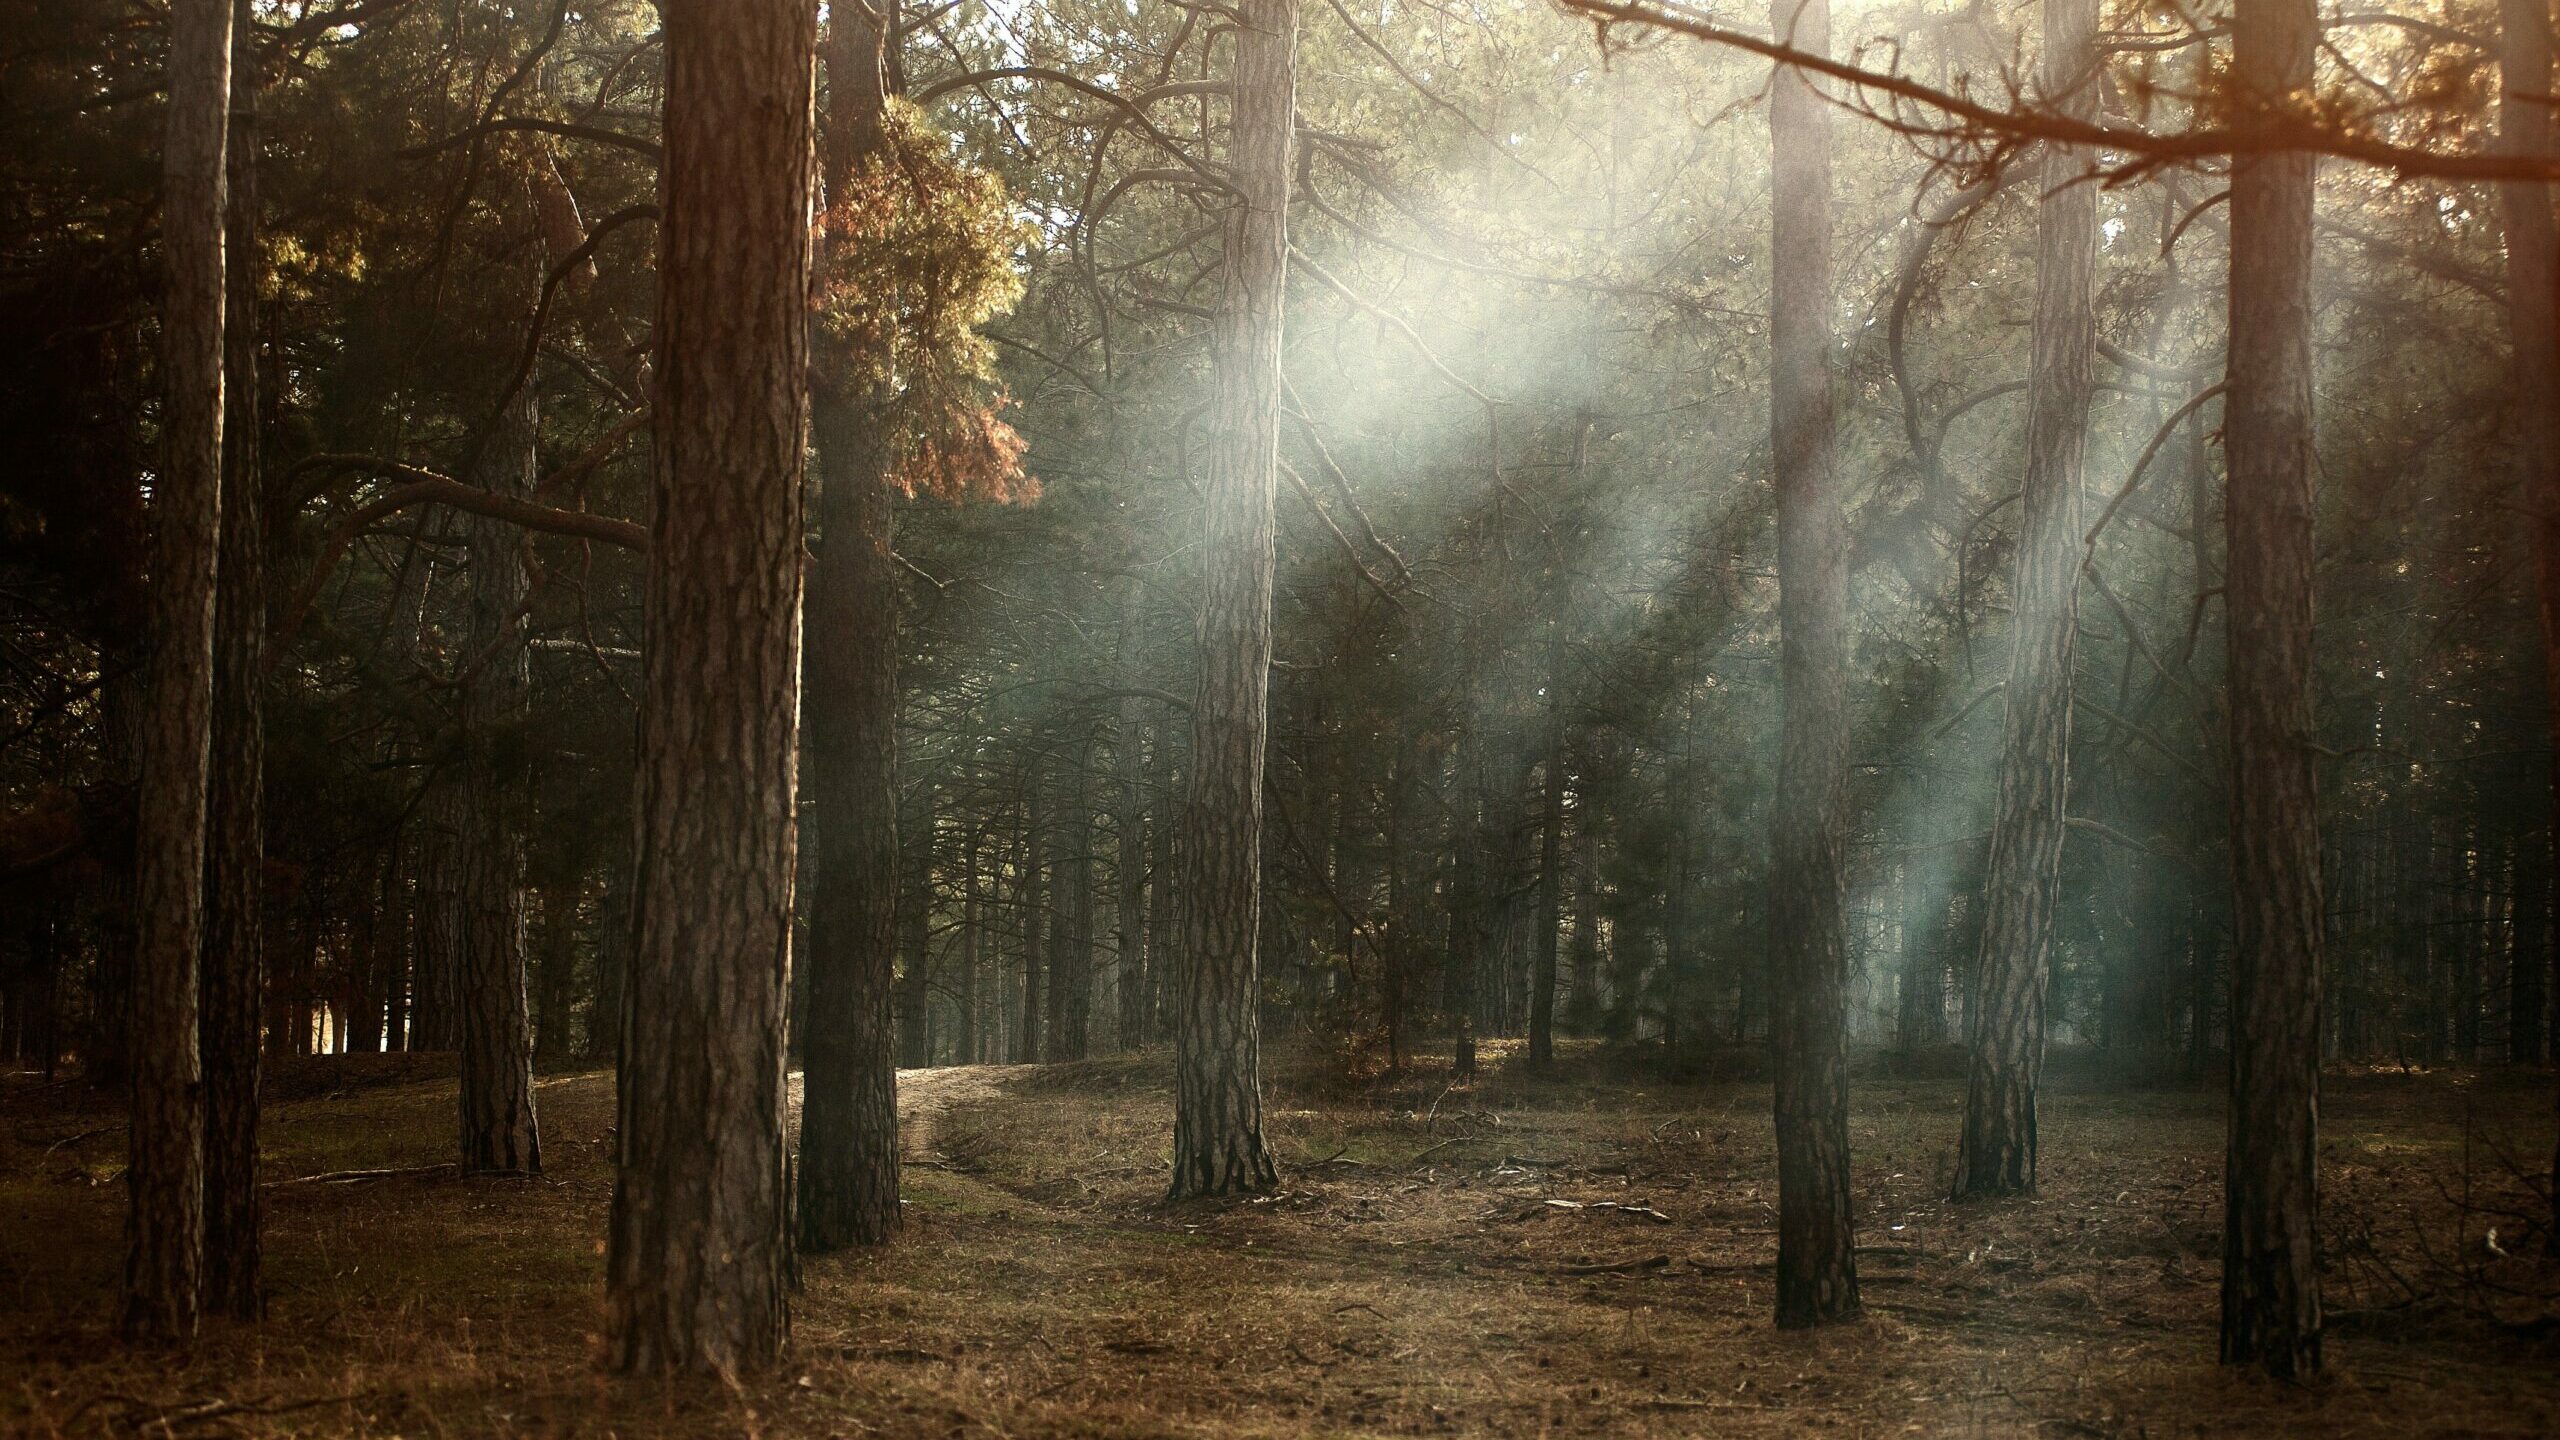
point(1764, 580)
point(1523, 718)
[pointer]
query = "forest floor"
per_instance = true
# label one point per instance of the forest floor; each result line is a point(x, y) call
point(1586, 1254)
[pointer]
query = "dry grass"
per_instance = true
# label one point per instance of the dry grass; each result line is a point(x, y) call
point(1581, 1255)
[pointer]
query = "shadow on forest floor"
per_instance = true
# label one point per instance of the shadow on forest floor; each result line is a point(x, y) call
point(1586, 1254)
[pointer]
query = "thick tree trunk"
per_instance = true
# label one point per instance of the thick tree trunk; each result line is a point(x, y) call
point(700, 1255)
point(2023, 883)
point(499, 1132)
point(1808, 953)
point(235, 820)
point(2270, 1249)
point(1218, 1147)
point(165, 1227)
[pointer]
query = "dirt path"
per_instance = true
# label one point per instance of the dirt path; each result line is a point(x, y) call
point(922, 1097)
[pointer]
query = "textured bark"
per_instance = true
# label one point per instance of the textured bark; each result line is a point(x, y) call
point(699, 1253)
point(233, 966)
point(848, 1167)
point(1218, 1148)
point(1808, 954)
point(165, 1225)
point(2270, 1250)
point(2023, 883)
point(499, 1132)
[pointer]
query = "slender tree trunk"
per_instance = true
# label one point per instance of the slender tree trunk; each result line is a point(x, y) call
point(2023, 883)
point(1037, 907)
point(499, 1132)
point(2526, 125)
point(1128, 911)
point(915, 938)
point(1218, 1147)
point(700, 1254)
point(1542, 978)
point(165, 1226)
point(1808, 955)
point(235, 820)
point(1071, 932)
point(848, 1169)
point(2270, 1249)
point(555, 1032)
point(965, 1042)
point(435, 949)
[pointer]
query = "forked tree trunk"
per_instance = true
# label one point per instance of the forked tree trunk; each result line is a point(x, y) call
point(1218, 1147)
point(233, 967)
point(2270, 1247)
point(498, 1130)
point(2023, 883)
point(699, 1254)
point(1808, 942)
point(164, 1229)
point(848, 1168)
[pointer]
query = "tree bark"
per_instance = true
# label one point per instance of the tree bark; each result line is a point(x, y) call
point(499, 1132)
point(914, 997)
point(700, 1253)
point(1218, 1147)
point(2270, 1253)
point(233, 964)
point(2022, 886)
point(1071, 932)
point(1130, 959)
point(165, 1226)
point(848, 1169)
point(1808, 955)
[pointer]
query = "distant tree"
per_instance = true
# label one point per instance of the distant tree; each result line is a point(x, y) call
point(699, 1257)
point(1808, 941)
point(2270, 1247)
point(1218, 1148)
point(165, 1225)
point(2023, 883)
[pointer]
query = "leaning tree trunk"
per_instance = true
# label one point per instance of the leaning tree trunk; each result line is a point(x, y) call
point(1808, 953)
point(233, 969)
point(498, 1130)
point(165, 1227)
point(2270, 1248)
point(2022, 888)
point(699, 1256)
point(1218, 1147)
point(848, 1170)
point(2525, 125)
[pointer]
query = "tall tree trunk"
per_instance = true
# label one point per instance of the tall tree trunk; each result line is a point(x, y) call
point(435, 946)
point(555, 1032)
point(2022, 887)
point(235, 815)
point(1218, 1147)
point(2525, 125)
point(1542, 979)
point(2270, 1250)
point(915, 939)
point(699, 1255)
point(165, 1225)
point(1808, 955)
point(499, 1132)
point(848, 1169)
point(1037, 907)
point(1128, 911)
point(965, 1042)
point(1071, 933)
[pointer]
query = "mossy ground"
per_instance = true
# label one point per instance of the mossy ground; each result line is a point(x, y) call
point(1443, 1259)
